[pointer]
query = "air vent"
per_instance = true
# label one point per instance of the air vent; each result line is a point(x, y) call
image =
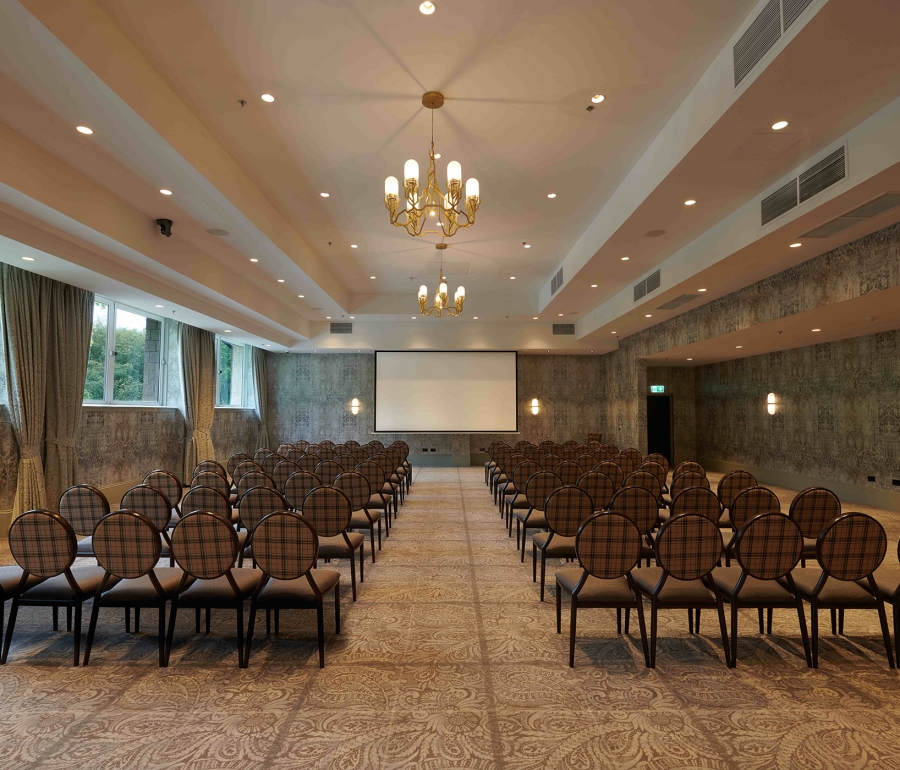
point(835, 226)
point(650, 283)
point(876, 206)
point(760, 36)
point(653, 282)
point(556, 282)
point(792, 10)
point(564, 328)
point(342, 328)
point(640, 289)
point(779, 202)
point(825, 173)
point(678, 301)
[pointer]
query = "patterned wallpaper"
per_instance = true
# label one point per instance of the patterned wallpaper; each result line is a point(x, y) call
point(234, 430)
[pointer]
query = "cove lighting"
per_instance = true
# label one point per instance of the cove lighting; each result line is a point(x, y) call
point(779, 125)
point(267, 98)
point(84, 130)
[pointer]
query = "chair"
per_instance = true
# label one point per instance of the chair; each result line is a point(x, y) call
point(595, 437)
point(167, 483)
point(523, 471)
point(612, 471)
point(688, 466)
point(549, 461)
point(261, 454)
point(746, 504)
point(636, 457)
point(521, 446)
point(697, 500)
point(688, 547)
point(313, 449)
point(282, 472)
point(210, 465)
point(642, 507)
point(658, 471)
point(570, 444)
point(269, 463)
point(887, 584)
point(599, 486)
point(545, 445)
point(235, 460)
point(359, 455)
point(849, 550)
point(10, 587)
point(767, 548)
point(398, 471)
point(813, 509)
point(729, 485)
point(392, 481)
point(351, 444)
point(293, 454)
point(329, 511)
point(284, 448)
point(127, 546)
point(582, 449)
point(257, 503)
point(155, 507)
point(685, 481)
point(327, 444)
point(355, 486)
point(625, 462)
point(286, 551)
point(298, 486)
point(206, 547)
point(491, 463)
point(302, 445)
point(328, 471)
point(245, 467)
point(534, 454)
point(587, 461)
point(326, 453)
point(83, 506)
point(380, 500)
point(250, 480)
point(43, 545)
point(645, 480)
point(213, 501)
point(608, 546)
point(600, 454)
point(568, 454)
point(214, 480)
point(659, 459)
point(538, 488)
point(309, 462)
point(497, 471)
point(569, 472)
point(565, 510)
point(611, 448)
point(504, 482)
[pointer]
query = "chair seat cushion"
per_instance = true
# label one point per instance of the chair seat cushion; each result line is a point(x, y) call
point(675, 593)
point(141, 589)
point(536, 520)
point(377, 501)
point(725, 521)
point(559, 547)
point(218, 591)
point(11, 578)
point(336, 547)
point(57, 588)
point(519, 504)
point(359, 520)
point(888, 581)
point(833, 592)
point(595, 589)
point(282, 594)
point(768, 593)
point(85, 547)
point(809, 548)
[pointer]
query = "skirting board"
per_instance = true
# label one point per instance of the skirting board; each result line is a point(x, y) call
point(850, 493)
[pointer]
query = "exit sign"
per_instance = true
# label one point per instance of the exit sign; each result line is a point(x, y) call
point(657, 388)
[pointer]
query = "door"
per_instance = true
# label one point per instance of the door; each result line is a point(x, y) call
point(659, 426)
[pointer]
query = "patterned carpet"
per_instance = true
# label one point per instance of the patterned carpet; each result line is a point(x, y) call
point(448, 660)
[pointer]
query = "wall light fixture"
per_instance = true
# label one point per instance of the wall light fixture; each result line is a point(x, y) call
point(354, 406)
point(535, 406)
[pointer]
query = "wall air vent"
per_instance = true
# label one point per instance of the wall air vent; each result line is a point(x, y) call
point(831, 169)
point(653, 282)
point(884, 202)
point(564, 328)
point(650, 283)
point(342, 328)
point(779, 202)
point(678, 301)
point(792, 10)
point(556, 282)
point(760, 36)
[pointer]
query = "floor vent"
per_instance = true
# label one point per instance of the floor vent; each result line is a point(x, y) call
point(556, 282)
point(831, 169)
point(760, 36)
point(564, 328)
point(342, 328)
point(650, 283)
point(791, 10)
point(678, 301)
point(779, 202)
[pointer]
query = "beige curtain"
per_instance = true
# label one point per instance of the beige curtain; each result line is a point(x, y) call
point(261, 384)
point(25, 305)
point(198, 376)
point(69, 346)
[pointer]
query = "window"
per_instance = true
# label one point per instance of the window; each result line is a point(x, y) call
point(125, 362)
point(232, 364)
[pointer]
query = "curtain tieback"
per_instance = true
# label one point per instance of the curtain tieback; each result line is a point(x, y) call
point(28, 453)
point(63, 442)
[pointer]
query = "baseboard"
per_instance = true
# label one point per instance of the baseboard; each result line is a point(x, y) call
point(850, 493)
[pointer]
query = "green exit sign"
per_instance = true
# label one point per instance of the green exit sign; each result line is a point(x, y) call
point(657, 388)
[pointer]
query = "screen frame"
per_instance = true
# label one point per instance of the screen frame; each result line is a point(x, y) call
point(430, 432)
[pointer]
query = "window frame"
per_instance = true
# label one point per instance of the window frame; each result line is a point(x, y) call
point(245, 372)
point(109, 373)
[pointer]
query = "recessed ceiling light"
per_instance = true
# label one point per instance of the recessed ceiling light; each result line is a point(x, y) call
point(551, 195)
point(267, 98)
point(796, 245)
point(526, 245)
point(301, 296)
point(739, 346)
point(512, 278)
point(28, 259)
point(372, 277)
point(614, 332)
point(624, 259)
point(690, 359)
point(254, 259)
point(353, 246)
point(281, 280)
point(427, 7)
point(413, 317)
point(779, 125)
point(597, 98)
point(535, 318)
point(164, 191)
point(328, 317)
point(227, 331)
point(648, 315)
point(84, 130)
point(157, 305)
point(701, 289)
point(560, 315)
point(325, 195)
point(817, 330)
point(267, 345)
point(475, 317)
point(689, 202)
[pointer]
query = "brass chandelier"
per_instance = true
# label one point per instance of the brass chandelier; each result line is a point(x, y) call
point(441, 300)
point(448, 209)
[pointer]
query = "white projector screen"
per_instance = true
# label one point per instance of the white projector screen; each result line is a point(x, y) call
point(445, 392)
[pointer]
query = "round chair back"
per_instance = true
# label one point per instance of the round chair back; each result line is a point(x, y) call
point(210, 479)
point(313, 449)
point(539, 487)
point(341, 449)
point(328, 510)
point(210, 465)
point(302, 445)
point(545, 445)
point(813, 509)
point(245, 467)
point(751, 502)
point(611, 448)
point(608, 545)
point(566, 510)
point(328, 471)
point(261, 454)
point(309, 462)
point(625, 462)
point(204, 545)
point(568, 454)
point(207, 499)
point(599, 486)
point(687, 480)
point(656, 457)
point(294, 455)
point(253, 479)
point(359, 455)
point(586, 461)
point(167, 483)
point(549, 461)
point(377, 444)
point(660, 473)
point(374, 474)
point(150, 503)
point(851, 547)
point(284, 448)
point(646, 480)
point(732, 483)
point(697, 500)
point(583, 449)
point(510, 463)
point(42, 543)
point(688, 546)
point(282, 472)
point(352, 444)
point(524, 471)
point(126, 544)
point(638, 504)
point(522, 446)
point(570, 444)
point(612, 470)
point(259, 502)
point(327, 453)
point(269, 463)
point(83, 506)
point(327, 444)
point(769, 546)
point(569, 472)
point(285, 545)
point(534, 454)
point(688, 466)
point(235, 460)
point(385, 463)
point(298, 486)
point(636, 457)
point(600, 454)
point(355, 486)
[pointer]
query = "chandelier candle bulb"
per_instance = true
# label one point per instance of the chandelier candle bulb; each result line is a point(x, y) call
point(473, 192)
point(391, 187)
point(454, 172)
point(411, 171)
point(423, 291)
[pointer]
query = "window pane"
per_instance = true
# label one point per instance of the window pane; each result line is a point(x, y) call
point(96, 368)
point(231, 373)
point(136, 373)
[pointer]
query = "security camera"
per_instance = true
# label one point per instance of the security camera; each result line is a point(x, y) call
point(165, 227)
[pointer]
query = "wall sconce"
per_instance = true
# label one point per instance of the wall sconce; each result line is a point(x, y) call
point(535, 406)
point(354, 406)
point(771, 406)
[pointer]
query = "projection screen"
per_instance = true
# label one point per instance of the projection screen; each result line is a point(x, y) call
point(445, 392)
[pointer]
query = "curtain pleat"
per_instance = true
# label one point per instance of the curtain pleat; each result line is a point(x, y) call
point(69, 347)
point(198, 372)
point(260, 384)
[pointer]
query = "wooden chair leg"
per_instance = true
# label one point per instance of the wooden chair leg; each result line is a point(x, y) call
point(543, 573)
point(814, 632)
point(769, 614)
point(162, 633)
point(239, 611)
point(762, 627)
point(882, 616)
point(653, 612)
point(643, 627)
point(320, 621)
point(92, 627)
point(171, 632)
point(619, 620)
point(722, 627)
point(77, 635)
point(250, 624)
point(137, 620)
point(572, 623)
point(337, 608)
point(804, 632)
point(734, 630)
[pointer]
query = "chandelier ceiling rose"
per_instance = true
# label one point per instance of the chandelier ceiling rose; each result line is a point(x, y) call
point(433, 100)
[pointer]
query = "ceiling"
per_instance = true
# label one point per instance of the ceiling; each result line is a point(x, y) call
point(172, 90)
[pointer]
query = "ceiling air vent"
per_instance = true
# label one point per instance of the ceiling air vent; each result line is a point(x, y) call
point(876, 206)
point(678, 301)
point(779, 202)
point(825, 173)
point(792, 10)
point(653, 282)
point(556, 282)
point(835, 226)
point(342, 328)
point(650, 283)
point(564, 328)
point(760, 36)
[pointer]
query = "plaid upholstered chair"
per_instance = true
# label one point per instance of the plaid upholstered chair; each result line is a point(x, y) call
point(359, 455)
point(595, 444)
point(155, 507)
point(746, 504)
point(376, 444)
point(127, 546)
point(522, 446)
point(259, 502)
point(328, 471)
point(282, 472)
point(569, 471)
point(659, 459)
point(313, 449)
point(309, 462)
point(608, 546)
point(685, 481)
point(582, 449)
point(211, 465)
point(293, 454)
point(326, 453)
point(546, 445)
point(213, 501)
point(549, 461)
point(688, 547)
point(496, 473)
point(326, 444)
point(381, 498)
point(568, 454)
point(887, 584)
point(235, 460)
point(538, 488)
point(352, 444)
point(599, 486)
point(298, 486)
point(648, 466)
point(534, 454)
point(565, 510)
point(570, 443)
point(169, 484)
point(729, 485)
point(11, 586)
point(302, 445)
point(250, 480)
point(269, 463)
point(399, 470)
point(209, 479)
point(491, 463)
point(587, 461)
point(600, 454)
point(697, 500)
point(286, 552)
point(625, 462)
point(206, 547)
point(813, 509)
point(245, 467)
point(688, 466)
point(612, 470)
point(261, 454)
point(356, 487)
point(635, 454)
point(329, 511)
point(594, 437)
point(515, 495)
point(83, 506)
point(767, 548)
point(645, 480)
point(43, 545)
point(391, 484)
point(849, 550)
point(283, 448)
point(611, 448)
point(642, 507)
point(504, 483)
